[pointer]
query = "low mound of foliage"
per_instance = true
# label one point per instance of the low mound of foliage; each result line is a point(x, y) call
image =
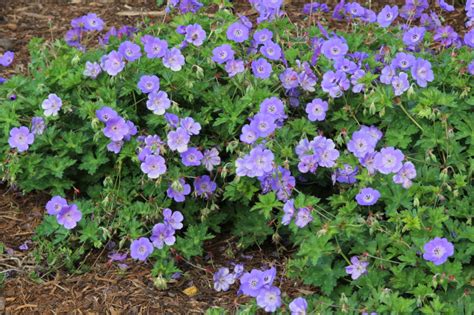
point(352, 145)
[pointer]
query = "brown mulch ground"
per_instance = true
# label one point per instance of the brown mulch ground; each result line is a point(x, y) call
point(106, 288)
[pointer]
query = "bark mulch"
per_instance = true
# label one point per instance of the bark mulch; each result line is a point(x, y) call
point(106, 288)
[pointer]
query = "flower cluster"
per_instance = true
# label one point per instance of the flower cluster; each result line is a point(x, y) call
point(259, 284)
point(81, 25)
point(117, 129)
point(66, 214)
point(223, 278)
point(162, 234)
point(22, 137)
point(320, 151)
point(302, 216)
point(6, 59)
point(184, 6)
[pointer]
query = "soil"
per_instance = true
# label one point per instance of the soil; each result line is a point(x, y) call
point(107, 288)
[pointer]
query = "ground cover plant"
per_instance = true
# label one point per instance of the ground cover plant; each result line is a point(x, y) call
point(351, 145)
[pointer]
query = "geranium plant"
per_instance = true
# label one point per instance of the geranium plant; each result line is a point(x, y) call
point(347, 136)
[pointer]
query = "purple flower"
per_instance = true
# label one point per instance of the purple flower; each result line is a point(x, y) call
point(222, 54)
point(186, 6)
point(158, 102)
point(237, 32)
point(251, 283)
point(130, 51)
point(195, 34)
point(204, 186)
point(387, 15)
point(307, 80)
point(191, 127)
point(445, 6)
point(258, 162)
point(298, 306)
point(154, 143)
point(178, 140)
point(389, 160)
point(388, 72)
point(446, 36)
point(327, 154)
point(421, 72)
point(438, 250)
point(154, 47)
point(367, 196)
point(405, 175)
point(191, 157)
point(73, 38)
point(162, 234)
point(263, 125)
point(140, 249)
point(344, 64)
point(289, 78)
point(316, 110)
point(92, 69)
point(24, 246)
point(400, 83)
point(289, 210)
point(37, 125)
point(334, 48)
point(403, 61)
point(238, 271)
point(373, 131)
point(173, 219)
point(303, 217)
point(69, 216)
point(357, 86)
point(223, 279)
point(273, 106)
point(55, 205)
point(211, 158)
point(149, 84)
point(357, 269)
point(345, 175)
point(173, 59)
point(469, 38)
point(93, 23)
point(315, 7)
point(7, 58)
point(115, 146)
point(106, 113)
point(21, 138)
point(368, 161)
point(335, 83)
point(413, 36)
point(269, 298)
point(262, 36)
point(271, 50)
point(154, 166)
point(116, 129)
point(470, 68)
point(233, 67)
point(361, 143)
point(178, 190)
point(112, 63)
point(116, 256)
point(52, 105)
point(261, 68)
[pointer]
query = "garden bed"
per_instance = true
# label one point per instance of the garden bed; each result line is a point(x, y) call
point(101, 284)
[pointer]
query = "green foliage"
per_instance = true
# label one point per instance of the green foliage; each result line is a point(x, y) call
point(434, 127)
